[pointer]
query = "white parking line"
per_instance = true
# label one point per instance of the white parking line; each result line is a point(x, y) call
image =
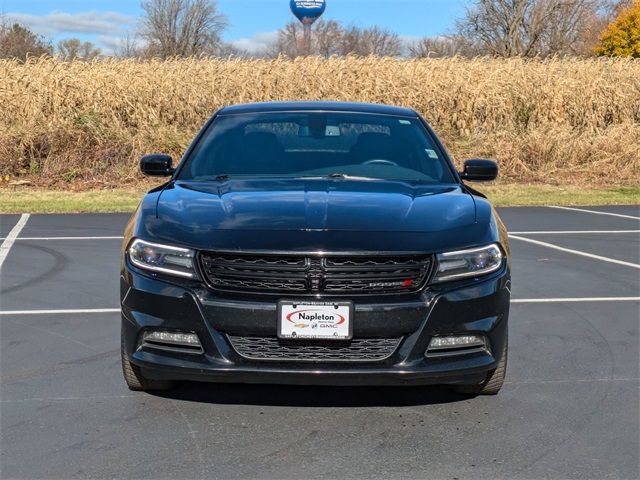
point(573, 232)
point(56, 312)
point(576, 300)
point(576, 381)
point(515, 300)
point(13, 234)
point(595, 211)
point(576, 252)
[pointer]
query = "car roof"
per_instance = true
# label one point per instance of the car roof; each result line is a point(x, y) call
point(371, 108)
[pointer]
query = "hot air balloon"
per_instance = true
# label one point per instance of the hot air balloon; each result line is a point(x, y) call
point(308, 11)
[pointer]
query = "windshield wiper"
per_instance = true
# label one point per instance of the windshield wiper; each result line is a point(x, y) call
point(344, 176)
point(335, 176)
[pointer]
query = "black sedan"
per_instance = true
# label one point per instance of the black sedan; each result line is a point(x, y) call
point(316, 243)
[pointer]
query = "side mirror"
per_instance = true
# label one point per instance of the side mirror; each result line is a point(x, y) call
point(479, 170)
point(156, 165)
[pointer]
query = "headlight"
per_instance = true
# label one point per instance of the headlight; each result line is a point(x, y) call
point(468, 263)
point(162, 258)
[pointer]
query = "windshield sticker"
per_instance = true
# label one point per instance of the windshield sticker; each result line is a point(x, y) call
point(431, 153)
point(405, 122)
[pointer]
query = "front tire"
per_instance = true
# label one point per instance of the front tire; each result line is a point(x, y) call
point(136, 381)
point(494, 381)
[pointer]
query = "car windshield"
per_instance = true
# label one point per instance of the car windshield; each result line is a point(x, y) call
point(317, 144)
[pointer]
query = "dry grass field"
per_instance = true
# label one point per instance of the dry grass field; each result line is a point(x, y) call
point(75, 124)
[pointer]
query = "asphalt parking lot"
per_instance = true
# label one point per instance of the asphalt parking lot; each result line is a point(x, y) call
point(569, 409)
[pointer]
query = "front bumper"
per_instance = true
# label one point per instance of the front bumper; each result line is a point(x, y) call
point(480, 307)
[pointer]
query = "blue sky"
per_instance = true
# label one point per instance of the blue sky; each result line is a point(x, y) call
point(252, 22)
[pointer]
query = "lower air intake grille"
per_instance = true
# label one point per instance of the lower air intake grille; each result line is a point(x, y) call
point(270, 348)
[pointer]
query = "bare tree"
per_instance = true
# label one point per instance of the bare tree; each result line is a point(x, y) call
point(325, 38)
point(447, 46)
point(17, 41)
point(226, 50)
point(130, 47)
point(331, 38)
point(597, 24)
point(76, 49)
point(182, 27)
point(569, 19)
point(289, 42)
point(527, 27)
point(370, 41)
point(614, 7)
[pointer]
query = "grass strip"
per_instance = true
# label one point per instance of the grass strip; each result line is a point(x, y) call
point(34, 200)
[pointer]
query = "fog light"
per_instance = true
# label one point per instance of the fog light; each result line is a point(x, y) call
point(456, 345)
point(168, 337)
point(172, 340)
point(457, 341)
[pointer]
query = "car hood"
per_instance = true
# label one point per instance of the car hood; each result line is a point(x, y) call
point(313, 214)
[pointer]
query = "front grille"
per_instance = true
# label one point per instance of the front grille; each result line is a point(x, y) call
point(334, 275)
point(358, 349)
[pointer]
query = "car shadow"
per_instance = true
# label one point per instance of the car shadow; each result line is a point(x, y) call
point(311, 396)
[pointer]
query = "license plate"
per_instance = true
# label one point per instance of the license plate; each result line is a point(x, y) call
point(315, 320)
